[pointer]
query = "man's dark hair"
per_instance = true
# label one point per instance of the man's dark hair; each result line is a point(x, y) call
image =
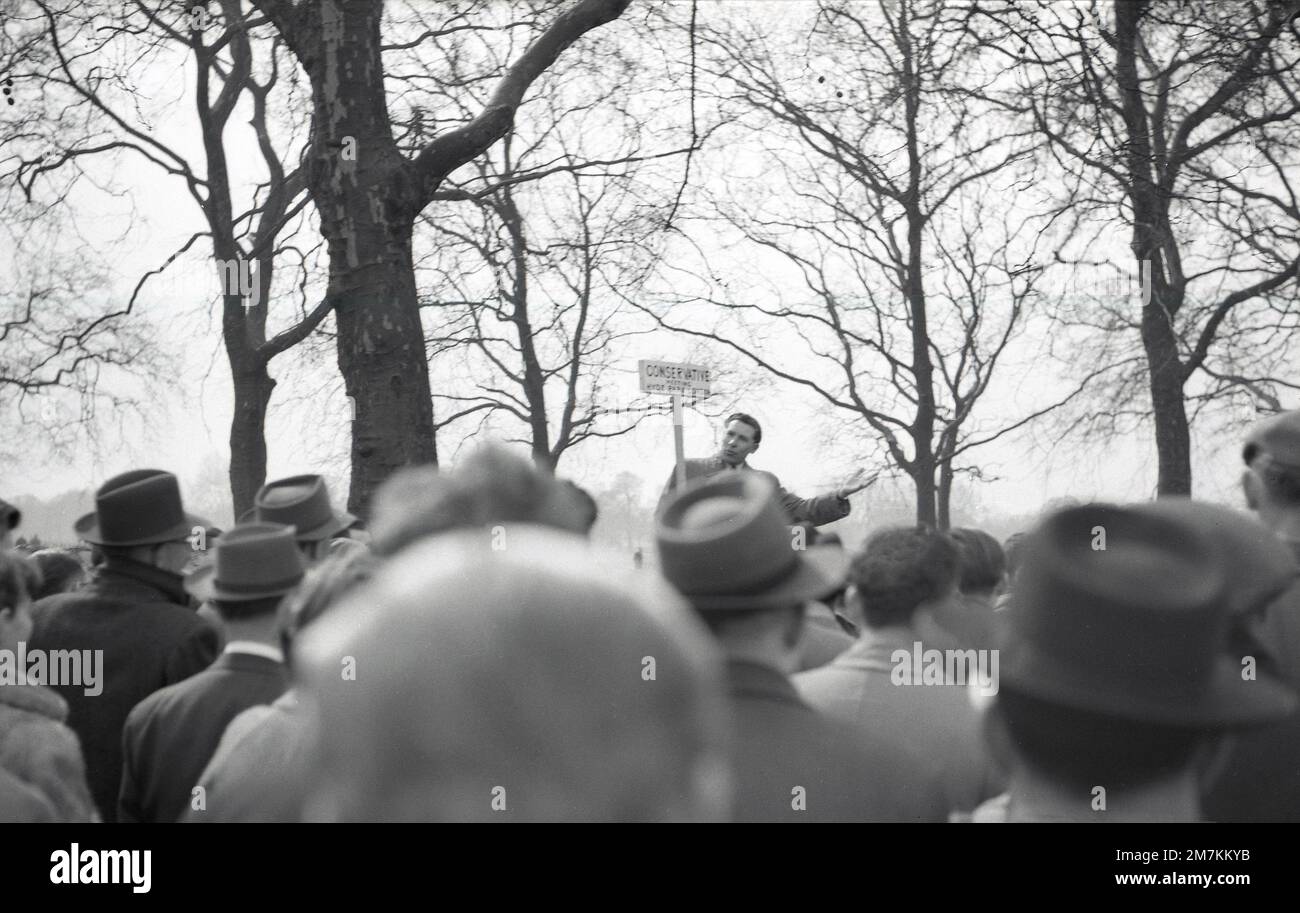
point(1281, 482)
point(60, 569)
point(584, 499)
point(983, 563)
point(1081, 750)
point(900, 568)
point(491, 486)
point(19, 578)
point(748, 420)
point(232, 610)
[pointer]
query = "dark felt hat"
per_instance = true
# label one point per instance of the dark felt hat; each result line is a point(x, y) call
point(1124, 612)
point(140, 507)
point(302, 502)
point(251, 561)
point(725, 544)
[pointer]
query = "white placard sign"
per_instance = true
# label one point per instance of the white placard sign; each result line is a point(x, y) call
point(674, 377)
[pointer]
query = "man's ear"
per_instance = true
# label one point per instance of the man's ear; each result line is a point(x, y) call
point(1250, 487)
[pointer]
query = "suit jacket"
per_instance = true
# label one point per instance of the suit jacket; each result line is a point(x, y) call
point(262, 769)
point(935, 721)
point(150, 637)
point(782, 745)
point(811, 511)
point(38, 749)
point(22, 803)
point(171, 735)
point(1259, 779)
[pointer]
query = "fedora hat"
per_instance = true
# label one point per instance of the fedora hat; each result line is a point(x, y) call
point(302, 502)
point(1124, 612)
point(140, 507)
point(725, 544)
point(251, 561)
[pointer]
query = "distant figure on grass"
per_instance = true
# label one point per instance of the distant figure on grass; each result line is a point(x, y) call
point(1116, 683)
point(741, 437)
point(135, 609)
point(725, 545)
point(527, 682)
point(170, 736)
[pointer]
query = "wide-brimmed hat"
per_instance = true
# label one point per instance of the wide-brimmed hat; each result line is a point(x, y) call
point(1124, 613)
point(302, 502)
point(140, 507)
point(1258, 565)
point(1277, 438)
point(251, 561)
point(725, 544)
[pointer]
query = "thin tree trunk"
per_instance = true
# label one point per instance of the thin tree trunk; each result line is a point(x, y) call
point(253, 387)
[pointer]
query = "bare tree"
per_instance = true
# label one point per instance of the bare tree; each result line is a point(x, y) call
point(247, 238)
point(880, 189)
point(1175, 122)
point(567, 209)
point(368, 196)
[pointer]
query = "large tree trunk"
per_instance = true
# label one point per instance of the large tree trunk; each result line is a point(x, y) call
point(362, 191)
point(382, 359)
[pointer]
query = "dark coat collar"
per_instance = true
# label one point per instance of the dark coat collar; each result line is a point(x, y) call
point(119, 572)
point(747, 679)
point(249, 662)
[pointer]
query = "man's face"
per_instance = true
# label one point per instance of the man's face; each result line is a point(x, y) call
point(737, 442)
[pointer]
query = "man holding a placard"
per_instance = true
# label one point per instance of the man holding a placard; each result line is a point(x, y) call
point(741, 437)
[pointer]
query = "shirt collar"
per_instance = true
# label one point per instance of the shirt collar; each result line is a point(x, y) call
point(253, 648)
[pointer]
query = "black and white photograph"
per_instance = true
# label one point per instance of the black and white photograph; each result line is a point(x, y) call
point(650, 411)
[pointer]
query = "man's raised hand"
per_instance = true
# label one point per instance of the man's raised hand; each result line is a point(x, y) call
point(854, 483)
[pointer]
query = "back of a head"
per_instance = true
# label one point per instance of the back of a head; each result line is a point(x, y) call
point(901, 568)
point(323, 587)
point(491, 486)
point(983, 564)
point(526, 682)
point(20, 578)
point(61, 570)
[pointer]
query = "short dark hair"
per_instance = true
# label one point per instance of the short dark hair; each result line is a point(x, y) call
point(19, 578)
point(1281, 482)
point(900, 568)
point(231, 610)
point(59, 569)
point(584, 499)
point(1082, 750)
point(491, 486)
point(983, 563)
point(748, 420)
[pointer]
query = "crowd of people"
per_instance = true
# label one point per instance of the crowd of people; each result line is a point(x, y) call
point(465, 654)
